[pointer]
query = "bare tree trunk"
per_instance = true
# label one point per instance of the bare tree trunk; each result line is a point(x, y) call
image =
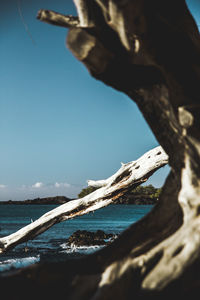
point(129, 176)
point(150, 50)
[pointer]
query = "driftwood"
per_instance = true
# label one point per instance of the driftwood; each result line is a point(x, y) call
point(149, 50)
point(130, 175)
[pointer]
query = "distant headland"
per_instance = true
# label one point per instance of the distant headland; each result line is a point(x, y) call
point(47, 200)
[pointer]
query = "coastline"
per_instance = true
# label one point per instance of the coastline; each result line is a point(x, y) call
point(58, 200)
point(47, 200)
point(57, 244)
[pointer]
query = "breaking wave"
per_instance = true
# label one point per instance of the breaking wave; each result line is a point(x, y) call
point(16, 263)
point(80, 249)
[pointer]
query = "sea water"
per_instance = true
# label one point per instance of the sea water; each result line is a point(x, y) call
point(112, 219)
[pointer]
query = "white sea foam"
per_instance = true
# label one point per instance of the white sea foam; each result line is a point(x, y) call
point(72, 248)
point(17, 263)
point(79, 249)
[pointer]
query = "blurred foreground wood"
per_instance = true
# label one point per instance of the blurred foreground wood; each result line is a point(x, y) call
point(150, 50)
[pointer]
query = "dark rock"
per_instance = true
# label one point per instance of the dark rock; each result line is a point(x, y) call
point(87, 238)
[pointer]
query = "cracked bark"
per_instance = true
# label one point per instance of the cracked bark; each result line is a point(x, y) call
point(149, 50)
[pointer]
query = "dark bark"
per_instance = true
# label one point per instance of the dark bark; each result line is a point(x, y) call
point(150, 50)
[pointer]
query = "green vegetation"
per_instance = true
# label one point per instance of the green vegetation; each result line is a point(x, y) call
point(145, 191)
point(148, 190)
point(86, 191)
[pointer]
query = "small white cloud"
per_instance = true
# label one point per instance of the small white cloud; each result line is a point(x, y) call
point(2, 186)
point(37, 185)
point(57, 184)
point(62, 184)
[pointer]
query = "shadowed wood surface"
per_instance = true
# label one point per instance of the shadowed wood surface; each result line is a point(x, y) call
point(149, 50)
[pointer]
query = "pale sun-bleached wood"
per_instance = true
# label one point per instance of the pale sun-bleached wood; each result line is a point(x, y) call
point(128, 176)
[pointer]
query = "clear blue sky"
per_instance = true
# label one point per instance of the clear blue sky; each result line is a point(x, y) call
point(58, 125)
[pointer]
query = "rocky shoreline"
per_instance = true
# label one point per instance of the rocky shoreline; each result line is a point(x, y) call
point(77, 245)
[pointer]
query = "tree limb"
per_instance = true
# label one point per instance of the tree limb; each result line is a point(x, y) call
point(57, 19)
point(127, 177)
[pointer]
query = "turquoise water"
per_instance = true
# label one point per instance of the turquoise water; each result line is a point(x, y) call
point(111, 219)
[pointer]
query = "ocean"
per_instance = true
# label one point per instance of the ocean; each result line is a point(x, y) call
point(51, 245)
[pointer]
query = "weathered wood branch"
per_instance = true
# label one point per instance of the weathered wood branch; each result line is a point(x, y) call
point(57, 19)
point(127, 177)
point(158, 44)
